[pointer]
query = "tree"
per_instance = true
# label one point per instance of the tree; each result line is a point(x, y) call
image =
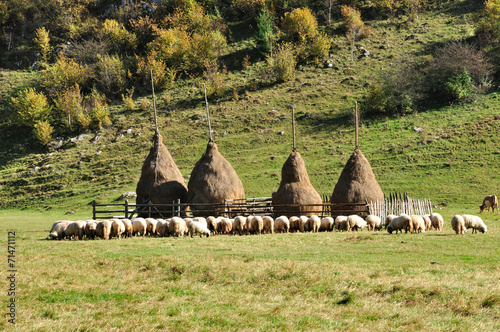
point(42, 43)
point(351, 20)
point(264, 35)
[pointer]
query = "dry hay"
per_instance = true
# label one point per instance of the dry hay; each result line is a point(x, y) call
point(295, 188)
point(357, 182)
point(212, 180)
point(161, 181)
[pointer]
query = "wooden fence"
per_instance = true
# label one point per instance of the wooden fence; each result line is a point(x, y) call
point(394, 204)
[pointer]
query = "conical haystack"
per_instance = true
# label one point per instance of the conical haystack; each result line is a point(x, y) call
point(357, 182)
point(212, 180)
point(295, 188)
point(161, 181)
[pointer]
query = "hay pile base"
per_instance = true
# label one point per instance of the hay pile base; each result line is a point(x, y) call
point(212, 180)
point(295, 188)
point(357, 182)
point(161, 182)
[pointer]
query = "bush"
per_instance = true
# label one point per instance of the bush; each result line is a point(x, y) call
point(42, 43)
point(65, 73)
point(29, 108)
point(282, 65)
point(118, 36)
point(214, 80)
point(460, 88)
point(110, 75)
point(300, 25)
point(319, 46)
point(489, 21)
point(69, 110)
point(163, 77)
point(171, 48)
point(42, 132)
point(97, 110)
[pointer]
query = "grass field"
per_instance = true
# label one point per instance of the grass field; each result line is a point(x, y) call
point(435, 281)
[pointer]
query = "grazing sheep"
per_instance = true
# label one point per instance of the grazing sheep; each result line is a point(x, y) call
point(458, 225)
point(314, 223)
point(90, 228)
point(340, 223)
point(417, 224)
point(268, 225)
point(326, 224)
point(226, 225)
point(128, 227)
point(160, 227)
point(103, 229)
point(117, 228)
point(139, 226)
point(294, 223)
point(151, 226)
point(240, 225)
point(490, 201)
point(437, 221)
point(212, 224)
point(255, 224)
point(75, 229)
point(177, 227)
point(282, 225)
point(187, 221)
point(388, 219)
point(427, 222)
point(201, 220)
point(355, 222)
point(474, 222)
point(399, 223)
point(373, 222)
point(197, 227)
point(57, 229)
point(304, 225)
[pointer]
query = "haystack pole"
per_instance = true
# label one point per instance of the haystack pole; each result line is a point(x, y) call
point(213, 180)
point(295, 196)
point(161, 182)
point(357, 183)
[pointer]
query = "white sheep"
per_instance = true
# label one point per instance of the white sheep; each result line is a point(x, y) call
point(240, 225)
point(151, 226)
point(399, 223)
point(75, 229)
point(161, 224)
point(282, 224)
point(304, 225)
point(255, 224)
point(139, 226)
point(225, 226)
point(437, 221)
point(128, 227)
point(355, 222)
point(197, 227)
point(90, 228)
point(187, 221)
point(268, 225)
point(417, 224)
point(57, 229)
point(117, 228)
point(177, 226)
point(427, 222)
point(458, 225)
point(314, 223)
point(474, 222)
point(373, 222)
point(294, 223)
point(341, 223)
point(202, 220)
point(326, 224)
point(103, 229)
point(212, 224)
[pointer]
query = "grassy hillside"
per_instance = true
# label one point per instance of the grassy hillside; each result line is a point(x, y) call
point(450, 160)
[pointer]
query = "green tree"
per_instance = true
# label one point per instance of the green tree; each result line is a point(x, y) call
point(264, 35)
point(42, 43)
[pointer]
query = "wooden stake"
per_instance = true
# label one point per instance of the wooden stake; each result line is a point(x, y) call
point(356, 121)
point(154, 99)
point(208, 114)
point(293, 126)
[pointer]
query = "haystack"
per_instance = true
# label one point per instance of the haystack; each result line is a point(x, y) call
point(161, 181)
point(295, 188)
point(212, 180)
point(357, 182)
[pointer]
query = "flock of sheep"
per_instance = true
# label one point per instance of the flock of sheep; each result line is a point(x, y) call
point(176, 226)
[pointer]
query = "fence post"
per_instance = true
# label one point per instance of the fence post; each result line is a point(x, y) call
point(178, 207)
point(93, 209)
point(126, 209)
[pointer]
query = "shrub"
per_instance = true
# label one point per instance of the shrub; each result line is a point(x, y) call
point(300, 24)
point(204, 48)
point(29, 108)
point(110, 74)
point(319, 46)
point(246, 9)
point(163, 77)
point(282, 65)
point(171, 47)
point(128, 100)
point(119, 37)
point(42, 43)
point(64, 74)
point(265, 33)
point(214, 80)
point(69, 110)
point(97, 108)
point(489, 21)
point(460, 87)
point(354, 25)
point(42, 132)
